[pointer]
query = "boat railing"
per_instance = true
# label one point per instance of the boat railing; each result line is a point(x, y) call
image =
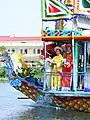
point(64, 81)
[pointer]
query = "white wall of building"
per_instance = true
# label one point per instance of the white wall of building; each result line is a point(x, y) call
point(32, 48)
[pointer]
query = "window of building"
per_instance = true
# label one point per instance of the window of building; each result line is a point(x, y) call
point(21, 51)
point(34, 51)
point(38, 51)
point(25, 51)
point(13, 50)
point(8, 50)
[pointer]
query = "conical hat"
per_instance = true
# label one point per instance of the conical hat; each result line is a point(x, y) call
point(57, 48)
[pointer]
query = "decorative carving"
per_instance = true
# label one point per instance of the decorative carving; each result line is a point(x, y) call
point(61, 33)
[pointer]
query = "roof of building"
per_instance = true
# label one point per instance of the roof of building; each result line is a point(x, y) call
point(19, 39)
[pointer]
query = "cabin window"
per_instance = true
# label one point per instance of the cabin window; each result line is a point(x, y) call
point(88, 57)
point(86, 75)
point(80, 78)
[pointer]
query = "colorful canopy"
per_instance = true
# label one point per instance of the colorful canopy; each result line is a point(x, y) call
point(53, 10)
point(64, 9)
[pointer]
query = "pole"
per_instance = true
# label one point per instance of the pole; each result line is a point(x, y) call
point(44, 45)
point(73, 72)
point(76, 65)
point(73, 51)
point(44, 85)
point(85, 56)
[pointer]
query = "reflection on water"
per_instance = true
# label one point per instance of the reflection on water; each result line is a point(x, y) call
point(50, 114)
point(12, 108)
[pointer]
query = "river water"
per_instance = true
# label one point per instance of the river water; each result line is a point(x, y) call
point(12, 108)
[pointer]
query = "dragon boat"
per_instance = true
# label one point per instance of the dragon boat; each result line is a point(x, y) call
point(71, 26)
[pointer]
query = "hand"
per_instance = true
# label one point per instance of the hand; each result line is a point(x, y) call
point(68, 64)
point(49, 61)
point(54, 63)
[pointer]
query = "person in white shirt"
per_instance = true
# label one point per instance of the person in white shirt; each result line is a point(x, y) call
point(48, 68)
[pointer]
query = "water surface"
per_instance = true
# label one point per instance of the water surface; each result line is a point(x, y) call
point(12, 108)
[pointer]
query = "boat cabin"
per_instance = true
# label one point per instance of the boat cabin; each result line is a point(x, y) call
point(74, 78)
point(67, 26)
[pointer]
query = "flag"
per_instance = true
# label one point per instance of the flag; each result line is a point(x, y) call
point(86, 4)
point(54, 10)
point(82, 6)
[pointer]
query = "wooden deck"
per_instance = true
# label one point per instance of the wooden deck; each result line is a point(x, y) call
point(68, 93)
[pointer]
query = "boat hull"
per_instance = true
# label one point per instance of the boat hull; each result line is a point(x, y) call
point(79, 103)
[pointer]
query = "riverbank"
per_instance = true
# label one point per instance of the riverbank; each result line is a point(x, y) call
point(3, 80)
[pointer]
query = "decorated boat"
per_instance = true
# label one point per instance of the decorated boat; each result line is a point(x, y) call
point(65, 31)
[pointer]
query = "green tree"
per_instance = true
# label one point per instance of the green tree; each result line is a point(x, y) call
point(2, 48)
point(2, 72)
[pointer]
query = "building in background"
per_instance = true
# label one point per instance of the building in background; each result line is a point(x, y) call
point(31, 46)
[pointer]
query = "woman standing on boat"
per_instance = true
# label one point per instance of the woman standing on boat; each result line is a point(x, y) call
point(67, 69)
point(57, 69)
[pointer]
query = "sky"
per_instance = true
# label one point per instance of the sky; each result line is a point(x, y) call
point(20, 17)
